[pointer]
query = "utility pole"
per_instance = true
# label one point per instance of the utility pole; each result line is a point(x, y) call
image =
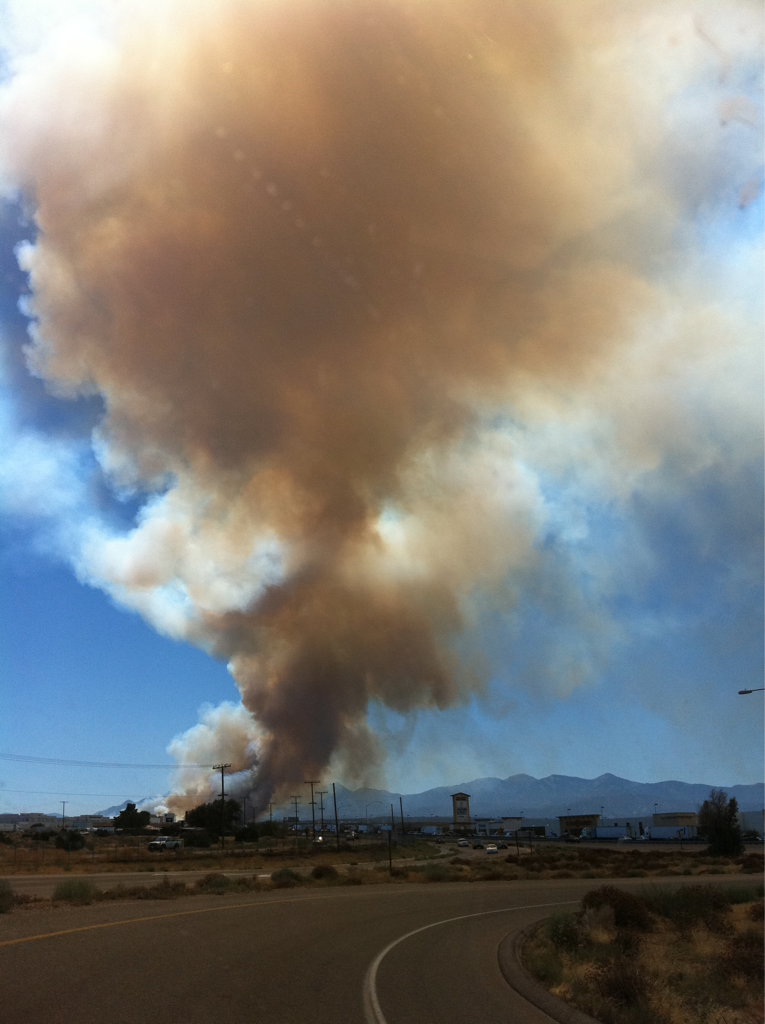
point(401, 807)
point(271, 813)
point(390, 841)
point(322, 794)
point(296, 801)
point(222, 769)
point(312, 783)
point(244, 811)
point(337, 826)
point(63, 813)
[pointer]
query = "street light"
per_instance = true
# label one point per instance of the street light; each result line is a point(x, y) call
point(366, 809)
point(755, 690)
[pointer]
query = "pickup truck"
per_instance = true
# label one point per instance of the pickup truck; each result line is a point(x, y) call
point(162, 843)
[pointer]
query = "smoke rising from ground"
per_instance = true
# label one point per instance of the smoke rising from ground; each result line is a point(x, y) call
point(305, 252)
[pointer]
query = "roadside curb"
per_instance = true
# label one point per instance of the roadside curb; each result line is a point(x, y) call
point(518, 979)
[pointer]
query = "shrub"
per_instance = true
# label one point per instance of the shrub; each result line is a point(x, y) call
point(284, 878)
point(7, 898)
point(436, 873)
point(630, 911)
point(324, 871)
point(168, 890)
point(691, 905)
point(751, 863)
point(77, 890)
point(70, 841)
point(757, 911)
point(623, 980)
point(543, 964)
point(743, 955)
point(214, 882)
point(200, 840)
point(561, 929)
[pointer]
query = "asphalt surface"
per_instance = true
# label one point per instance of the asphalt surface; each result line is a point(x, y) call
point(281, 957)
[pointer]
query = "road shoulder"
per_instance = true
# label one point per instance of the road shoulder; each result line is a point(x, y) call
point(522, 982)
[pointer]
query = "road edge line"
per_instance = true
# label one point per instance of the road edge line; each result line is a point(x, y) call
point(372, 1009)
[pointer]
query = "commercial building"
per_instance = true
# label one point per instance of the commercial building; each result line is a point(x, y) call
point(675, 819)
point(573, 824)
point(461, 809)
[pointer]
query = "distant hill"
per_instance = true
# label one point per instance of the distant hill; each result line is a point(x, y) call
point(534, 798)
point(114, 810)
point(547, 798)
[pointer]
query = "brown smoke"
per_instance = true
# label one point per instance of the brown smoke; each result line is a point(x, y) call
point(298, 247)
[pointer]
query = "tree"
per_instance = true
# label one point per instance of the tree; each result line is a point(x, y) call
point(70, 841)
point(718, 821)
point(208, 816)
point(130, 818)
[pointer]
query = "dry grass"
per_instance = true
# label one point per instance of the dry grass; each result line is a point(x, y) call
point(699, 961)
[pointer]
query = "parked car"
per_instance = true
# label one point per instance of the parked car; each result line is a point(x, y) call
point(162, 843)
point(491, 848)
point(501, 846)
point(477, 845)
point(462, 842)
point(568, 837)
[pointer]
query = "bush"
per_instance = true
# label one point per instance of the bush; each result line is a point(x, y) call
point(691, 905)
point(757, 911)
point(562, 930)
point(324, 871)
point(436, 873)
point(7, 898)
point(214, 882)
point(630, 911)
point(77, 890)
point(751, 863)
point(623, 980)
point(744, 955)
point(284, 878)
point(200, 840)
point(70, 841)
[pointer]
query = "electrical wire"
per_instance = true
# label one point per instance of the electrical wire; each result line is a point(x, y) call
point(60, 761)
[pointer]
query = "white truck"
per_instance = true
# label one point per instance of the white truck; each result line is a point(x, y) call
point(162, 843)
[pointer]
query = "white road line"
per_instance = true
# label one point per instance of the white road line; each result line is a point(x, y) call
point(372, 1010)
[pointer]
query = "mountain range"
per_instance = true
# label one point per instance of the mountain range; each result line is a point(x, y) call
point(533, 798)
point(547, 798)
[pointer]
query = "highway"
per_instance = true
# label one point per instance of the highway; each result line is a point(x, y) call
point(280, 957)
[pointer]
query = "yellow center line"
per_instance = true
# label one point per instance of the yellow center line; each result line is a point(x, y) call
point(155, 917)
point(187, 913)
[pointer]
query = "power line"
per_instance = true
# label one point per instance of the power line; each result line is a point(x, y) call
point(59, 792)
point(95, 764)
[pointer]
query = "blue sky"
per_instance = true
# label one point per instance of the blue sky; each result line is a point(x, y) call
point(606, 627)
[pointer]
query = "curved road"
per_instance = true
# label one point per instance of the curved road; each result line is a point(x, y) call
point(280, 958)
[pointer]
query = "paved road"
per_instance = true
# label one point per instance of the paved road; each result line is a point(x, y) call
point(278, 957)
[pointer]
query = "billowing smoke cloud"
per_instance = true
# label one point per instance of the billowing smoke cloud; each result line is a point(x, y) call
point(307, 252)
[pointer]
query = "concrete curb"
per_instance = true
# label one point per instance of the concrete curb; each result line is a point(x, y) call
point(517, 978)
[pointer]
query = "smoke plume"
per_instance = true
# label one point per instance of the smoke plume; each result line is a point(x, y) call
point(306, 251)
